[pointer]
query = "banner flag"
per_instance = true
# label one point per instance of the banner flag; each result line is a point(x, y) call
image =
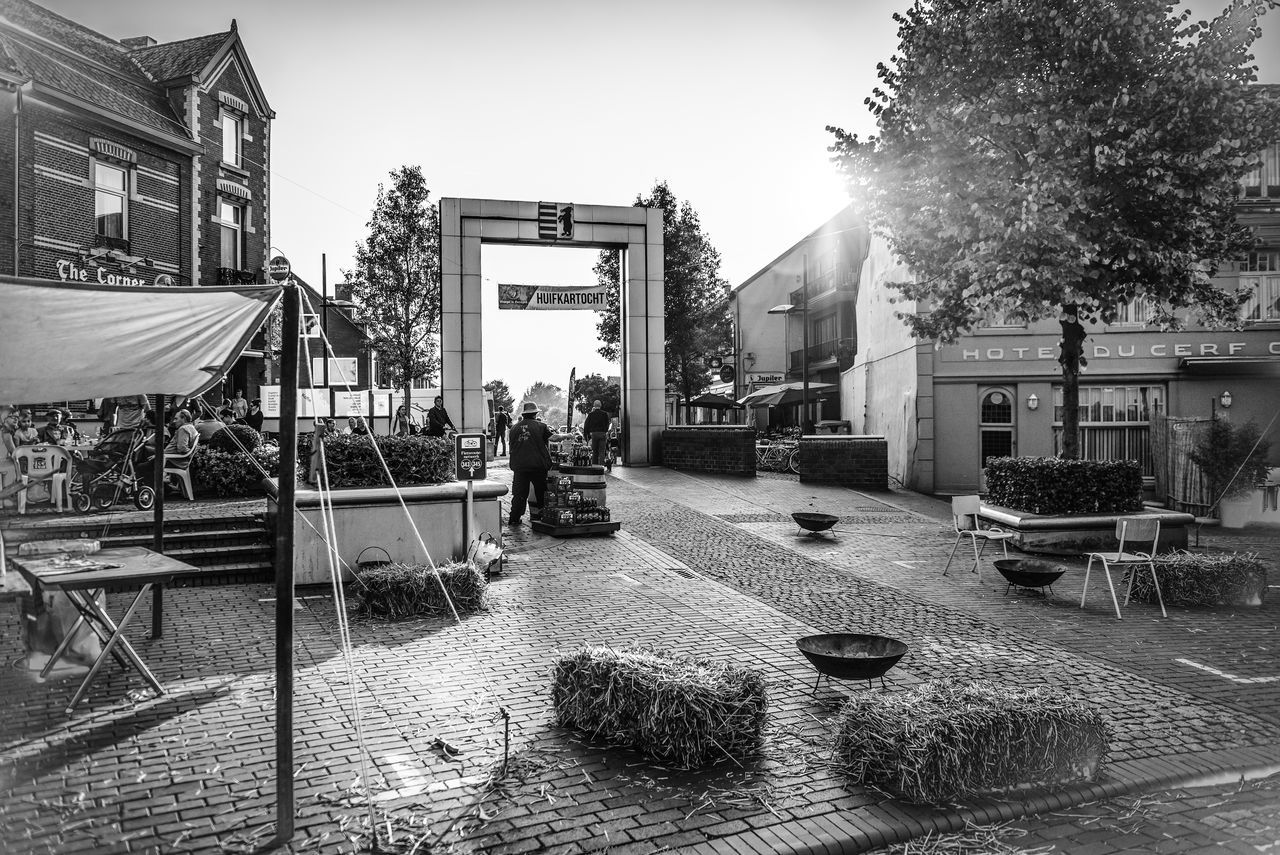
point(511, 296)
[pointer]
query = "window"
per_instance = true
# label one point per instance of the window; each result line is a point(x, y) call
point(232, 128)
point(1264, 180)
point(232, 217)
point(1115, 422)
point(110, 197)
point(1260, 275)
point(995, 415)
point(1136, 312)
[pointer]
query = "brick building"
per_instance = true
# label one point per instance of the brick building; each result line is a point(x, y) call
point(131, 162)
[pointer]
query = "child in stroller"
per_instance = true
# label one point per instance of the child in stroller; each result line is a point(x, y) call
point(120, 467)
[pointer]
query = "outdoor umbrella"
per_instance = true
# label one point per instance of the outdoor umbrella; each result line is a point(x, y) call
point(715, 402)
point(785, 393)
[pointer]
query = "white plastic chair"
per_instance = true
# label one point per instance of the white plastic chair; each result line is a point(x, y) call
point(50, 463)
point(964, 516)
point(1128, 531)
point(179, 466)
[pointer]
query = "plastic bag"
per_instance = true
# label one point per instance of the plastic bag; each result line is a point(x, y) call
point(484, 552)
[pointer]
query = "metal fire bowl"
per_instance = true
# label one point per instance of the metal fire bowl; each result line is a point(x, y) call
point(850, 656)
point(815, 522)
point(1029, 572)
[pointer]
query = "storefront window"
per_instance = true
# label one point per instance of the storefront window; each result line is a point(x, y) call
point(1115, 422)
point(232, 217)
point(110, 192)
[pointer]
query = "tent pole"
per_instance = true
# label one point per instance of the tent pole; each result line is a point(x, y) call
point(284, 565)
point(157, 535)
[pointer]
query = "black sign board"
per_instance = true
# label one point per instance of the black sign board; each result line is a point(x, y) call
point(469, 454)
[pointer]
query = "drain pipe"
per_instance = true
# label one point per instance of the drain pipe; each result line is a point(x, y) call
point(17, 188)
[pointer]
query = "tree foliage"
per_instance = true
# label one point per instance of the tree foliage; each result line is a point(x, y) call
point(594, 387)
point(551, 400)
point(396, 280)
point(501, 394)
point(696, 298)
point(1059, 158)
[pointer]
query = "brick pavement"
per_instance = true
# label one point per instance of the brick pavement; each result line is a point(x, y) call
point(191, 770)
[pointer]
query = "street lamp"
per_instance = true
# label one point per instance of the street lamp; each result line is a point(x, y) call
point(803, 309)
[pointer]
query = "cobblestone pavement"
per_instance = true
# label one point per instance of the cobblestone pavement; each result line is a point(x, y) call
point(703, 565)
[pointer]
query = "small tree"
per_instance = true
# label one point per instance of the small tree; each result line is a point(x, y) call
point(501, 394)
point(396, 280)
point(696, 298)
point(1059, 159)
point(1233, 458)
point(593, 387)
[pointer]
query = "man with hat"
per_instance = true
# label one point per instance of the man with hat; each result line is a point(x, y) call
point(529, 444)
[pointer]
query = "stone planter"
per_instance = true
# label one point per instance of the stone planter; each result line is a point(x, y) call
point(1075, 534)
point(372, 516)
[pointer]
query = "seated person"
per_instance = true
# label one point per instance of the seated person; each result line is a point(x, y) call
point(185, 436)
point(356, 426)
point(26, 433)
point(255, 415)
point(207, 426)
point(52, 433)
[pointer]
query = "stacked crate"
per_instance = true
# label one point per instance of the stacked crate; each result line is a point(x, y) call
point(575, 502)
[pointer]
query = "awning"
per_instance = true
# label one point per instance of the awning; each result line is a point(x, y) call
point(715, 402)
point(61, 341)
point(787, 393)
point(1251, 365)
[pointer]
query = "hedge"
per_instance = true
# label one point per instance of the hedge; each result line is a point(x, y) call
point(351, 461)
point(227, 474)
point(1047, 485)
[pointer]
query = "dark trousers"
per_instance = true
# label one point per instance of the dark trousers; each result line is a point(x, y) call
point(599, 446)
point(520, 481)
point(500, 436)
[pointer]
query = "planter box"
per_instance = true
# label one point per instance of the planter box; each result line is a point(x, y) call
point(725, 449)
point(1075, 534)
point(372, 516)
point(858, 462)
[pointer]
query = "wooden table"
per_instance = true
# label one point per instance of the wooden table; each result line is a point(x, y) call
point(84, 580)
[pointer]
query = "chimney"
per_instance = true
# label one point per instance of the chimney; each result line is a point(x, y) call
point(138, 42)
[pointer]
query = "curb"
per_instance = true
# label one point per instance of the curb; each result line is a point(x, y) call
point(891, 821)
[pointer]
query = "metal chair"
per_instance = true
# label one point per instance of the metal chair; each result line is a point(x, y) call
point(179, 466)
point(1128, 532)
point(964, 516)
point(36, 463)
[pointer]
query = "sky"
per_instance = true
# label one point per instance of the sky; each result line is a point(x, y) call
point(583, 101)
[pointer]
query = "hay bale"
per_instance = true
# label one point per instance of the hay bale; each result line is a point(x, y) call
point(1192, 579)
point(947, 740)
point(681, 710)
point(412, 590)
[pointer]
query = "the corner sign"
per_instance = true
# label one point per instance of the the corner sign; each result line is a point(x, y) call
point(470, 457)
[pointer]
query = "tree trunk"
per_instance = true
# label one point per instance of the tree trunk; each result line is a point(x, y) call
point(1072, 359)
point(408, 409)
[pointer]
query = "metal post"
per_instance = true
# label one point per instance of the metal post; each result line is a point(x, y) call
point(284, 565)
point(157, 533)
point(804, 354)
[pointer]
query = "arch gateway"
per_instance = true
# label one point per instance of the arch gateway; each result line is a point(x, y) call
point(636, 233)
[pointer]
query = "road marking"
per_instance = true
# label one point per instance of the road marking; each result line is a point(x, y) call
point(910, 565)
point(1232, 677)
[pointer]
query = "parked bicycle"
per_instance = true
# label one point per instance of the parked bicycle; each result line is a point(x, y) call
point(778, 456)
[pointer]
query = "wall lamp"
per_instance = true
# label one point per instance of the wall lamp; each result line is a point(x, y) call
point(1225, 400)
point(1033, 402)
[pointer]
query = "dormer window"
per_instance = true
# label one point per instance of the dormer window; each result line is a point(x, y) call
point(232, 136)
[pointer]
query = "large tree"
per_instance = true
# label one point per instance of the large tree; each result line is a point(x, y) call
point(501, 394)
point(594, 387)
point(396, 280)
point(1060, 158)
point(698, 322)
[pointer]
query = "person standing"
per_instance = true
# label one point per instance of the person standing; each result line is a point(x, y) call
point(437, 418)
point(239, 406)
point(128, 411)
point(529, 442)
point(403, 424)
point(255, 416)
point(501, 424)
point(596, 428)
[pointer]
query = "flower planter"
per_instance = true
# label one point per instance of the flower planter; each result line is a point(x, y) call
point(372, 516)
point(1235, 512)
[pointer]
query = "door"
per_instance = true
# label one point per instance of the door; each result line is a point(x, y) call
point(995, 429)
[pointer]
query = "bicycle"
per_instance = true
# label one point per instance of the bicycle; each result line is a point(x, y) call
point(778, 456)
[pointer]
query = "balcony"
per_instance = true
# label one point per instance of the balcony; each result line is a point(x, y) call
point(831, 281)
point(231, 276)
point(838, 351)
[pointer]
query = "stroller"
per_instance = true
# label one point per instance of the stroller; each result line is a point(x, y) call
point(119, 467)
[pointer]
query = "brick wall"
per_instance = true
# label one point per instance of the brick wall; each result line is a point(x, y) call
point(722, 448)
point(860, 462)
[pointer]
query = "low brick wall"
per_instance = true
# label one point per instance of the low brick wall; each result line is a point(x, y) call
point(710, 448)
point(860, 462)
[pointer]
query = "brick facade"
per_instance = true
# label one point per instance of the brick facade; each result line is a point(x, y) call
point(722, 448)
point(859, 462)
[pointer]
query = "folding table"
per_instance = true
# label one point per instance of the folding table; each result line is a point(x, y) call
point(84, 580)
